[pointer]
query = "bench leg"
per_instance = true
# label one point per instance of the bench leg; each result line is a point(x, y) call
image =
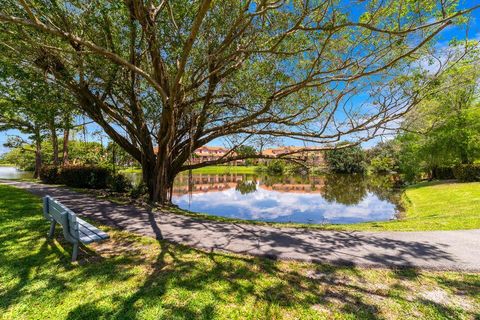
point(75, 252)
point(52, 229)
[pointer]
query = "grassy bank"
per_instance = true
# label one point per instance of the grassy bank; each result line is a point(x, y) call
point(131, 277)
point(130, 170)
point(433, 206)
point(209, 170)
point(427, 206)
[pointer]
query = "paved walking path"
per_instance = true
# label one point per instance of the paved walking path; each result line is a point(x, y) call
point(444, 250)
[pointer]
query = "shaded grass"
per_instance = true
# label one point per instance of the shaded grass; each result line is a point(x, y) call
point(132, 277)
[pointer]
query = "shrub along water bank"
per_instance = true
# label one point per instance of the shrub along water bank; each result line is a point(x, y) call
point(139, 277)
point(79, 176)
point(85, 176)
point(467, 172)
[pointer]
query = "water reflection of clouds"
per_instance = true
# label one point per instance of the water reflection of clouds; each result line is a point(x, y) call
point(284, 206)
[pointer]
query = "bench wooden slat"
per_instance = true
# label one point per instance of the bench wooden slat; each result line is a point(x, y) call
point(86, 238)
point(84, 232)
point(54, 204)
point(91, 228)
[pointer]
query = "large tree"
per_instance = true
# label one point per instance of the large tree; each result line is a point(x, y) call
point(444, 129)
point(174, 75)
point(34, 107)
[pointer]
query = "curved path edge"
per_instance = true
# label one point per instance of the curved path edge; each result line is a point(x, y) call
point(439, 250)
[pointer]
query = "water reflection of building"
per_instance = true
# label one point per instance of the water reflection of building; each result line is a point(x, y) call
point(291, 184)
point(203, 183)
point(294, 188)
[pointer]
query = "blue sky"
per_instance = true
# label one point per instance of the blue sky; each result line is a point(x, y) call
point(452, 32)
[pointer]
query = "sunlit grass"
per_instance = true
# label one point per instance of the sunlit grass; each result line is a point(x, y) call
point(132, 277)
point(433, 206)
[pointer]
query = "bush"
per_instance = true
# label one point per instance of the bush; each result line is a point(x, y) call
point(275, 167)
point(291, 169)
point(50, 174)
point(346, 160)
point(119, 183)
point(138, 190)
point(318, 171)
point(467, 172)
point(382, 164)
point(91, 177)
point(443, 173)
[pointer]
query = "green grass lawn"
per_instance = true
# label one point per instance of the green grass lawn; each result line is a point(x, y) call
point(130, 170)
point(131, 277)
point(209, 170)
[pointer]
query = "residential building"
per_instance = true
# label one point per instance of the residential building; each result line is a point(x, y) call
point(312, 157)
point(207, 153)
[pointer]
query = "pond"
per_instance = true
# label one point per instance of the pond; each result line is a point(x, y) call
point(14, 173)
point(300, 199)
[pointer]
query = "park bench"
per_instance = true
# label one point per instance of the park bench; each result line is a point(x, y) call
point(75, 230)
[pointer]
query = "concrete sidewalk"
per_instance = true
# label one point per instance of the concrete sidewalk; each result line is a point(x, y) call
point(443, 250)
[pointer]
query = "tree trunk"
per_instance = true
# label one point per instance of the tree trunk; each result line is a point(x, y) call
point(159, 181)
point(38, 158)
point(53, 133)
point(66, 134)
point(464, 157)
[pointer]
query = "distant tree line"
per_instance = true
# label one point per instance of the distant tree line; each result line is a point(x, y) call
point(80, 153)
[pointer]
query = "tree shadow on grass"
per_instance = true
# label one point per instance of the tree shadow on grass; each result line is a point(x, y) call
point(203, 283)
point(23, 267)
point(180, 282)
point(184, 283)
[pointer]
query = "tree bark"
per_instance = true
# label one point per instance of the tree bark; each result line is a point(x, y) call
point(158, 177)
point(66, 134)
point(53, 133)
point(38, 156)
